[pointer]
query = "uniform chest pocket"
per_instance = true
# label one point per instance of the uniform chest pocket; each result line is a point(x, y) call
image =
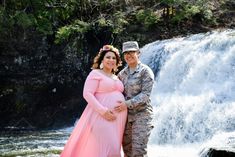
point(134, 82)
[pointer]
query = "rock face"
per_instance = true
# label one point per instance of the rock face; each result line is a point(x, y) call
point(41, 84)
point(220, 153)
point(217, 152)
point(221, 145)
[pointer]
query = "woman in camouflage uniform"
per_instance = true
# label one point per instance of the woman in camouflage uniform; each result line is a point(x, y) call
point(138, 81)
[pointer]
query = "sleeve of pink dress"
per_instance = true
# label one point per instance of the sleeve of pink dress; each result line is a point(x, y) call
point(91, 84)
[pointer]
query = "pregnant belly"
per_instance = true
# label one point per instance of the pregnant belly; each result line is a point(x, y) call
point(110, 100)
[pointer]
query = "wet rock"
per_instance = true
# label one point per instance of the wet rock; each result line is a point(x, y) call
point(220, 153)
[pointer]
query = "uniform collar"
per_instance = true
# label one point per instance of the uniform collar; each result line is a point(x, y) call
point(137, 69)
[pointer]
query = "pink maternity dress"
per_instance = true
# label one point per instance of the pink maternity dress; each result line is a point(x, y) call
point(93, 136)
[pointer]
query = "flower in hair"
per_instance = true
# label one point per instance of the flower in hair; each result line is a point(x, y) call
point(109, 48)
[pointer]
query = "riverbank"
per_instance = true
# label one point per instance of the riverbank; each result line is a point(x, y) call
point(51, 142)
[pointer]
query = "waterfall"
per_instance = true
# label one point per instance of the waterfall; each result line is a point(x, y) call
point(194, 91)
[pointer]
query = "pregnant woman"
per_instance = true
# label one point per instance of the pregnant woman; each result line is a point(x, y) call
point(99, 131)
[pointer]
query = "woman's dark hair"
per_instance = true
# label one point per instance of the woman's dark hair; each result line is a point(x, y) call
point(100, 56)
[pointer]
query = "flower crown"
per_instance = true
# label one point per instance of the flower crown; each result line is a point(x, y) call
point(109, 48)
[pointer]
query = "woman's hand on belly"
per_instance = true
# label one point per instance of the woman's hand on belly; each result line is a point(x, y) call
point(121, 106)
point(109, 115)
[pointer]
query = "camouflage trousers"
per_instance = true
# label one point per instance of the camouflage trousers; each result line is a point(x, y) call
point(136, 137)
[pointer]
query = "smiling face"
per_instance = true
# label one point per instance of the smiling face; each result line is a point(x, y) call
point(131, 58)
point(109, 61)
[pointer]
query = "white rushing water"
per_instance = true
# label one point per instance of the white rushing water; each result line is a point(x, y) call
point(193, 99)
point(194, 92)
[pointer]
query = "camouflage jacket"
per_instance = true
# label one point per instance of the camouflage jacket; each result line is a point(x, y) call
point(138, 85)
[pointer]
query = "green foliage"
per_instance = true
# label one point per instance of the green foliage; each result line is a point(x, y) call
point(44, 25)
point(78, 27)
point(116, 23)
point(207, 14)
point(24, 20)
point(191, 11)
point(187, 10)
point(186, 13)
point(208, 17)
point(23, 14)
point(102, 22)
point(67, 18)
point(178, 17)
point(206, 9)
point(168, 2)
point(104, 4)
point(147, 17)
point(119, 22)
point(174, 2)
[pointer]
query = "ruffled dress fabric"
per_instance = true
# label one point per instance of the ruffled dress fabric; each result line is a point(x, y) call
point(93, 136)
